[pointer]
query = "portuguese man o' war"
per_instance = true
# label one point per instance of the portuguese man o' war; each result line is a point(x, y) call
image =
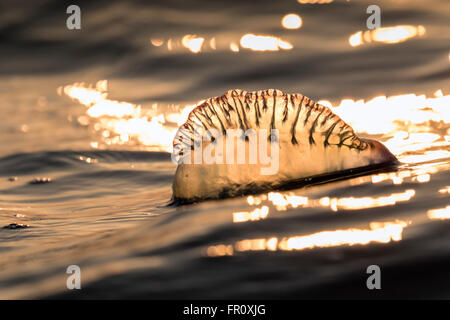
point(248, 142)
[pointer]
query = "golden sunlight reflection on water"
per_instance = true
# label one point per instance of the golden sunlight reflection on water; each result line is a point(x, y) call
point(234, 47)
point(284, 201)
point(354, 203)
point(254, 215)
point(291, 21)
point(390, 35)
point(418, 173)
point(314, 1)
point(264, 43)
point(123, 122)
point(378, 232)
point(405, 121)
point(157, 42)
point(195, 44)
point(439, 214)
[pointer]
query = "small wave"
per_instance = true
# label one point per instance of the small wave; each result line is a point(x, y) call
point(48, 161)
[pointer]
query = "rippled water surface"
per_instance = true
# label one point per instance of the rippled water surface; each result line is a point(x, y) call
point(86, 128)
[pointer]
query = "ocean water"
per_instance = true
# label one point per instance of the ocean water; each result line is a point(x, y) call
point(87, 118)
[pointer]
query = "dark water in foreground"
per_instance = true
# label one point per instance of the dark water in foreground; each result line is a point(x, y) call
point(106, 208)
